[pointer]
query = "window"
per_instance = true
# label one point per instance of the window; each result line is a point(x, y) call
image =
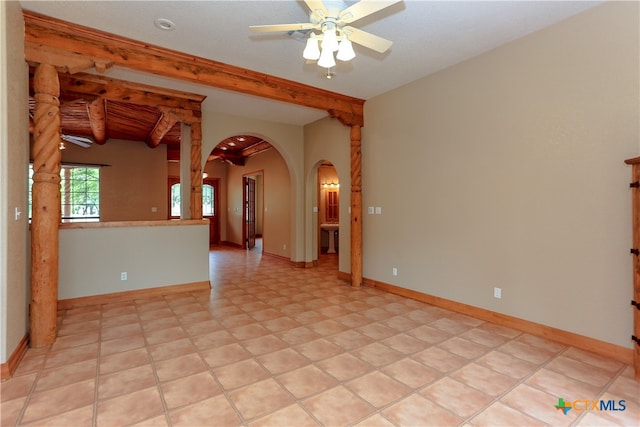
point(79, 193)
point(175, 200)
point(208, 199)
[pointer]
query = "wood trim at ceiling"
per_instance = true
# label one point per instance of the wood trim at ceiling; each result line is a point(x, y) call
point(84, 85)
point(50, 34)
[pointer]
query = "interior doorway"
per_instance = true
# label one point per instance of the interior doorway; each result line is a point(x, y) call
point(328, 209)
point(252, 212)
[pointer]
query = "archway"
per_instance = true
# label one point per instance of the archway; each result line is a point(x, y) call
point(244, 156)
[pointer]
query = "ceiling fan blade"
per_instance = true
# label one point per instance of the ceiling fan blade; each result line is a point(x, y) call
point(281, 27)
point(317, 7)
point(364, 8)
point(366, 39)
point(78, 140)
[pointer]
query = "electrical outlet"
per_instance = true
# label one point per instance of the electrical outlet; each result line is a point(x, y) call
point(394, 271)
point(378, 210)
point(123, 275)
point(497, 293)
point(370, 210)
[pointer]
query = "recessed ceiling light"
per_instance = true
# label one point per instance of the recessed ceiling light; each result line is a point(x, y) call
point(232, 144)
point(223, 148)
point(164, 24)
point(241, 138)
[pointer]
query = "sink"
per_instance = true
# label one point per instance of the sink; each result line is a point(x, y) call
point(331, 227)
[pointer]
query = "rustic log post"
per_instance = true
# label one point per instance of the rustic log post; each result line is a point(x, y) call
point(196, 170)
point(356, 207)
point(46, 207)
point(635, 250)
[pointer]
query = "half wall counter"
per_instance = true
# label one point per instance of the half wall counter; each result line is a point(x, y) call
point(103, 262)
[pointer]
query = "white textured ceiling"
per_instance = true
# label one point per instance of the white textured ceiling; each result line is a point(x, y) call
point(427, 36)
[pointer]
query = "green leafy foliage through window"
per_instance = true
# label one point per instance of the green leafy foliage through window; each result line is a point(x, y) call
point(79, 193)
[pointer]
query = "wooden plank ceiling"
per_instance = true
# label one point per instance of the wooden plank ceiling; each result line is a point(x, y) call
point(98, 108)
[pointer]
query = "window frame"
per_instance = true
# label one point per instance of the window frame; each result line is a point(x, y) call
point(66, 193)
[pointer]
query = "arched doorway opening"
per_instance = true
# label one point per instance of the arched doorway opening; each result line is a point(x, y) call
point(328, 186)
point(255, 194)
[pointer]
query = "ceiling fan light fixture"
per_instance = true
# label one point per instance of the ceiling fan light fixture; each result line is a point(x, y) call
point(345, 51)
point(330, 39)
point(326, 58)
point(311, 51)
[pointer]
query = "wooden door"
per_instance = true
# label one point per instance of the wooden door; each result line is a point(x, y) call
point(249, 192)
point(210, 208)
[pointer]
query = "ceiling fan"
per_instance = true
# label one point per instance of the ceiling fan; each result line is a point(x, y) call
point(81, 141)
point(332, 19)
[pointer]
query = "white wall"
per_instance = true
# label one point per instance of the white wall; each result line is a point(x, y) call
point(92, 259)
point(507, 170)
point(14, 162)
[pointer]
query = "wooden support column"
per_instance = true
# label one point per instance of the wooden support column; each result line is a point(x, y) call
point(46, 207)
point(356, 207)
point(635, 251)
point(196, 170)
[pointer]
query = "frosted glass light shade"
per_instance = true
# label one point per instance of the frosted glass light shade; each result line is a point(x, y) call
point(330, 40)
point(326, 58)
point(345, 51)
point(311, 51)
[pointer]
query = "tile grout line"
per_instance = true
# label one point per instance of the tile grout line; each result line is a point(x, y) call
point(94, 418)
point(210, 369)
point(32, 389)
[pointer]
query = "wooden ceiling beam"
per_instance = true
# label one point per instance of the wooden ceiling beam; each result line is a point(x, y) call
point(255, 149)
point(64, 61)
point(88, 86)
point(163, 125)
point(184, 116)
point(97, 112)
point(51, 33)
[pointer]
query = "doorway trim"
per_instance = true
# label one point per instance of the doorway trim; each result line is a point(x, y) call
point(258, 207)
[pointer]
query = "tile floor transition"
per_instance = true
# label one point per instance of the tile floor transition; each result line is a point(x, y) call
point(275, 345)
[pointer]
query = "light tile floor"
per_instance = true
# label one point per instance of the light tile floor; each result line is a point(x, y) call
point(275, 345)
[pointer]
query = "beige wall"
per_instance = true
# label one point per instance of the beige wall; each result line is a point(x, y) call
point(134, 182)
point(276, 219)
point(509, 173)
point(289, 142)
point(161, 255)
point(327, 139)
point(14, 162)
